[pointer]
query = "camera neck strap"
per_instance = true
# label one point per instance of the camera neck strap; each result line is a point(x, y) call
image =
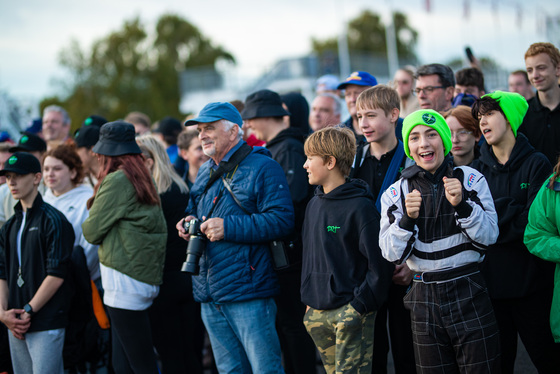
point(228, 187)
point(228, 166)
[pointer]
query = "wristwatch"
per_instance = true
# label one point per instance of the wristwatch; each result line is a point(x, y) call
point(28, 309)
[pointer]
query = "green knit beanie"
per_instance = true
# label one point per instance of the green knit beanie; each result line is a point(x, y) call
point(513, 105)
point(430, 118)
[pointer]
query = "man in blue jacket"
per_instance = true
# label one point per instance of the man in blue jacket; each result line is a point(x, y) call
point(242, 198)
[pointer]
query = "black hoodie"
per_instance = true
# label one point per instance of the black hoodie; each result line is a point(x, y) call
point(342, 262)
point(509, 269)
point(287, 149)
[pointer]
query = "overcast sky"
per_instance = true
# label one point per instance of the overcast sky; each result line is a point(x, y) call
point(257, 33)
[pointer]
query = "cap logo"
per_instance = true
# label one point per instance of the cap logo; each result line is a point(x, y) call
point(355, 76)
point(428, 119)
point(88, 121)
point(24, 139)
point(12, 160)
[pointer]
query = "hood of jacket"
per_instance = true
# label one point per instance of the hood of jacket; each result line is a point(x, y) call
point(445, 169)
point(521, 150)
point(289, 133)
point(351, 189)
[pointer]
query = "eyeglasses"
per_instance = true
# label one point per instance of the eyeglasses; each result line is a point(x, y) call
point(427, 90)
point(460, 134)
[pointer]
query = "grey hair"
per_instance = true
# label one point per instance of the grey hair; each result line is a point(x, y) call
point(336, 100)
point(59, 109)
point(444, 72)
point(228, 125)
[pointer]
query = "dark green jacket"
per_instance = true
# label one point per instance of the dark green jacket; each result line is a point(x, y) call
point(131, 236)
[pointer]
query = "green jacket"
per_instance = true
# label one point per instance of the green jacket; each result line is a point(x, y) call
point(132, 236)
point(542, 238)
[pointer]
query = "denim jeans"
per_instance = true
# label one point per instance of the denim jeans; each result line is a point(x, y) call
point(40, 352)
point(243, 336)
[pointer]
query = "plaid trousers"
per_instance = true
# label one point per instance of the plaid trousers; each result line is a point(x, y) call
point(453, 326)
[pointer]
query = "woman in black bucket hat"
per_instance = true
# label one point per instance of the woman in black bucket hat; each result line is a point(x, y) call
point(126, 220)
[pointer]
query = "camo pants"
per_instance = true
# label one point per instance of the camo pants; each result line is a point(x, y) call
point(343, 337)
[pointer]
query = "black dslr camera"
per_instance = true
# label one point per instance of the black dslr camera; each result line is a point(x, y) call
point(197, 244)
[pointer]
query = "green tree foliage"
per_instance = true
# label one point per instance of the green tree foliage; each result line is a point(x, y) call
point(366, 34)
point(130, 70)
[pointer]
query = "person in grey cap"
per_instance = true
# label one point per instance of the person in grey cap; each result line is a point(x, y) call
point(35, 249)
point(242, 198)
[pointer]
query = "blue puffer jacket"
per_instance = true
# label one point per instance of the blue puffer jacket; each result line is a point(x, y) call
point(239, 267)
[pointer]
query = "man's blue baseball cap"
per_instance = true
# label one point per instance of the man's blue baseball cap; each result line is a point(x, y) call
point(359, 78)
point(217, 111)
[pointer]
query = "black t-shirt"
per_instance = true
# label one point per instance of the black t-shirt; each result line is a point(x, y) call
point(373, 171)
point(542, 128)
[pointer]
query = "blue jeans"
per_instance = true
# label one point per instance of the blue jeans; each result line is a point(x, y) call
point(243, 336)
point(40, 352)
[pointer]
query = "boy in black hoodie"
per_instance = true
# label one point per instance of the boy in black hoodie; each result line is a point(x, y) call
point(344, 278)
point(519, 283)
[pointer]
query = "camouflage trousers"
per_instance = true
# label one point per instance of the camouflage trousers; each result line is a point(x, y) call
point(343, 337)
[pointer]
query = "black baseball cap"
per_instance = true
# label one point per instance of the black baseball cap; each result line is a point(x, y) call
point(94, 120)
point(87, 136)
point(29, 142)
point(21, 163)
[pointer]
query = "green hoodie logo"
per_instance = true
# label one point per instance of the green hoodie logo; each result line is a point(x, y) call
point(524, 186)
point(332, 228)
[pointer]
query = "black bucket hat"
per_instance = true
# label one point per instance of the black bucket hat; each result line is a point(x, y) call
point(263, 103)
point(117, 139)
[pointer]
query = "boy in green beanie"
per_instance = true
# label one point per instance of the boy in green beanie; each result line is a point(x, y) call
point(440, 219)
point(519, 283)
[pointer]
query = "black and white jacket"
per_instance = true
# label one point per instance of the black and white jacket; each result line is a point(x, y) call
point(443, 236)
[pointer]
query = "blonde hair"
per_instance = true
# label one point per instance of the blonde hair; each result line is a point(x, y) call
point(163, 172)
point(338, 142)
point(379, 97)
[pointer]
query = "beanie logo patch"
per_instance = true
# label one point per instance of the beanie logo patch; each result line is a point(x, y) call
point(12, 160)
point(24, 139)
point(428, 119)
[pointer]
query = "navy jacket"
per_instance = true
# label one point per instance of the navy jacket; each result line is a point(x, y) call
point(239, 267)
